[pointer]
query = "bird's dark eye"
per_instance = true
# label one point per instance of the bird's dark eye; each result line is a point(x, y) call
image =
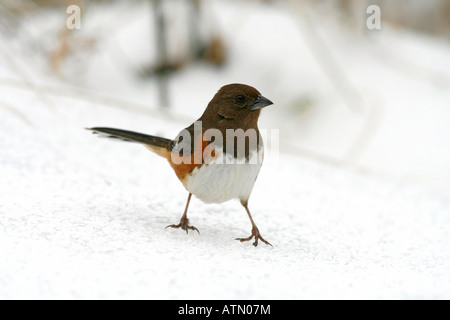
point(240, 98)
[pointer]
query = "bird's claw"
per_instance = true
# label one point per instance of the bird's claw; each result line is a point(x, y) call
point(257, 235)
point(184, 224)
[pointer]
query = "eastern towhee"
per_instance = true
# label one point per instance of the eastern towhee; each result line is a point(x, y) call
point(218, 157)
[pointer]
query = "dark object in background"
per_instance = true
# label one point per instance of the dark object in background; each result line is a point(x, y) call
point(210, 50)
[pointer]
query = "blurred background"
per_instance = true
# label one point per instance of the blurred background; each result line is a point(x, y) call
point(377, 100)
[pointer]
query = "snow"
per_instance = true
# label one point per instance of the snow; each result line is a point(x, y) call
point(82, 217)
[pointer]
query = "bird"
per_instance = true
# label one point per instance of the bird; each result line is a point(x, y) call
point(219, 156)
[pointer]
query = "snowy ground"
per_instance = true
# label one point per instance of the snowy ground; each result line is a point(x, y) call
point(82, 217)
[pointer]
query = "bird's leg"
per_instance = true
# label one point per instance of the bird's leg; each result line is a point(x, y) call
point(184, 221)
point(255, 231)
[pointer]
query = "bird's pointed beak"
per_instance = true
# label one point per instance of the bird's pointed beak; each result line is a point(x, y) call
point(260, 102)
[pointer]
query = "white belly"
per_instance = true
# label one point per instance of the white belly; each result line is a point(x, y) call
point(223, 180)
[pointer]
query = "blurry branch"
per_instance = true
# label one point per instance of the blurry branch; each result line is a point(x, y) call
point(26, 78)
point(13, 110)
point(392, 58)
point(329, 65)
point(340, 81)
point(95, 98)
point(16, 8)
point(431, 17)
point(66, 44)
point(336, 74)
point(161, 52)
point(17, 11)
point(352, 13)
point(210, 50)
point(85, 43)
point(61, 52)
point(66, 47)
point(11, 14)
point(196, 46)
point(297, 151)
point(370, 125)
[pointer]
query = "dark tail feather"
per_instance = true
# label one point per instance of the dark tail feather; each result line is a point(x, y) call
point(131, 136)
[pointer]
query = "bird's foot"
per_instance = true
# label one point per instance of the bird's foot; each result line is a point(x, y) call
point(257, 235)
point(184, 224)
